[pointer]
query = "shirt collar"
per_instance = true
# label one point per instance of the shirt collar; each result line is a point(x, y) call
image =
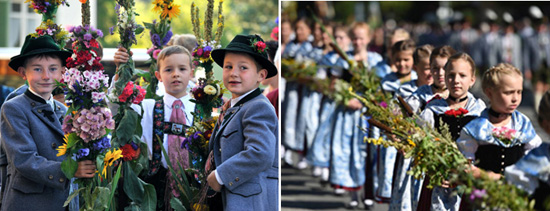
point(169, 99)
point(48, 101)
point(236, 100)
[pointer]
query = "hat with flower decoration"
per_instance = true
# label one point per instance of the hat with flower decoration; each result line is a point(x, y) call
point(252, 45)
point(36, 46)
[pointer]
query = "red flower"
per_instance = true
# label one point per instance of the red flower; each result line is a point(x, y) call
point(275, 33)
point(129, 153)
point(456, 113)
point(127, 92)
point(140, 96)
point(260, 46)
point(463, 111)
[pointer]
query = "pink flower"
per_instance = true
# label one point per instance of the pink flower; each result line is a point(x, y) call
point(260, 46)
point(156, 53)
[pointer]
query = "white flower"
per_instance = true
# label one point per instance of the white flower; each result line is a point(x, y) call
point(210, 90)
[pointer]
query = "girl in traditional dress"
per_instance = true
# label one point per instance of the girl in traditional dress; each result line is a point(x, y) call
point(501, 135)
point(456, 111)
point(404, 186)
point(347, 169)
point(301, 49)
point(319, 155)
point(402, 53)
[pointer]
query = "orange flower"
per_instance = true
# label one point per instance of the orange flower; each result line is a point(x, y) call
point(82, 1)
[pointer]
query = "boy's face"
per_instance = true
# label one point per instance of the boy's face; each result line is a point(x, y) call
point(240, 74)
point(360, 39)
point(342, 39)
point(41, 73)
point(403, 61)
point(459, 78)
point(174, 73)
point(438, 73)
point(302, 31)
point(507, 97)
point(422, 69)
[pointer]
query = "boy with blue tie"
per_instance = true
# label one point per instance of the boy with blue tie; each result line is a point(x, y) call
point(244, 144)
point(31, 132)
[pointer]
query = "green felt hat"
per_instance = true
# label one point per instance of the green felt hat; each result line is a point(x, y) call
point(247, 44)
point(35, 46)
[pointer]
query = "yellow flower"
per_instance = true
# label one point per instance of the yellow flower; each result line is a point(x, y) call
point(221, 1)
point(62, 150)
point(171, 11)
point(158, 6)
point(109, 159)
point(411, 143)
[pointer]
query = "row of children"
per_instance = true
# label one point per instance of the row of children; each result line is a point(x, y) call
point(433, 82)
point(244, 144)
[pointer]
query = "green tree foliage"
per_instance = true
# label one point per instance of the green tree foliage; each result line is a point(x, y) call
point(241, 17)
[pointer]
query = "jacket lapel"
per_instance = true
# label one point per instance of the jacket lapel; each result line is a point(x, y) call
point(229, 114)
point(44, 112)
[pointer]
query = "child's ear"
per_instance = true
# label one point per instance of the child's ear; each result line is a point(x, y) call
point(157, 74)
point(262, 75)
point(488, 92)
point(21, 70)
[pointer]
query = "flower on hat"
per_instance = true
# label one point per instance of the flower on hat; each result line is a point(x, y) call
point(259, 46)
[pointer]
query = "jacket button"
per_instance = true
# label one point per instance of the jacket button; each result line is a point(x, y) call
point(231, 183)
point(33, 104)
point(502, 163)
point(502, 156)
point(237, 179)
point(501, 170)
point(61, 180)
point(220, 149)
point(50, 177)
point(54, 145)
point(39, 110)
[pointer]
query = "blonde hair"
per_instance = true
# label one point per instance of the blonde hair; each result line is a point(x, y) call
point(399, 34)
point(170, 50)
point(463, 56)
point(359, 25)
point(493, 76)
point(422, 52)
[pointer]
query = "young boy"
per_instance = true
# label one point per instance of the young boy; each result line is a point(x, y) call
point(174, 71)
point(244, 144)
point(31, 132)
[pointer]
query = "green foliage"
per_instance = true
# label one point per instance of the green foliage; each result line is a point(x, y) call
point(241, 17)
point(132, 186)
point(69, 166)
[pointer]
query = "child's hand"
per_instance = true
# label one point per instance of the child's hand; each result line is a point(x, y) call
point(86, 169)
point(213, 182)
point(354, 104)
point(121, 56)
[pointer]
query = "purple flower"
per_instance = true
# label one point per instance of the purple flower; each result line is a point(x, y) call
point(99, 33)
point(185, 143)
point(207, 48)
point(167, 37)
point(155, 39)
point(476, 193)
point(102, 144)
point(383, 104)
point(134, 145)
point(111, 30)
point(196, 136)
point(277, 20)
point(87, 36)
point(83, 153)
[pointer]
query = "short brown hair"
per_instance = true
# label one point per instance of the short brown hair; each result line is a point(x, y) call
point(422, 52)
point(403, 45)
point(442, 52)
point(175, 49)
point(492, 77)
point(463, 56)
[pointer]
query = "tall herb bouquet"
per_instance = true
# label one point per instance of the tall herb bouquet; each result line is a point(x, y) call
point(160, 35)
point(128, 131)
point(88, 121)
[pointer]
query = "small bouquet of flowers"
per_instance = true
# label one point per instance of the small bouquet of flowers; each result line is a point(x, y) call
point(198, 137)
point(506, 135)
point(50, 28)
point(46, 6)
point(207, 94)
